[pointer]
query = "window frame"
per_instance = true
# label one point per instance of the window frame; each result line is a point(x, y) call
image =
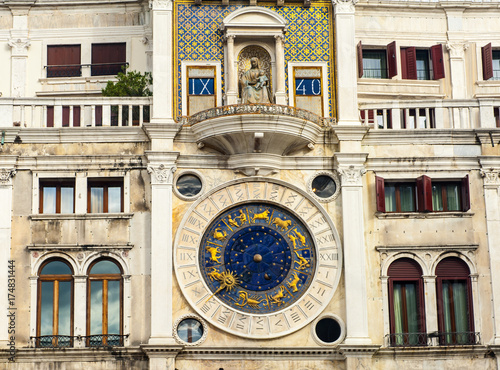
point(58, 184)
point(64, 69)
point(435, 62)
point(185, 81)
point(489, 54)
point(391, 68)
point(397, 190)
point(55, 308)
point(119, 53)
point(105, 278)
point(105, 183)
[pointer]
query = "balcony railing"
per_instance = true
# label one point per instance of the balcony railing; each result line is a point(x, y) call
point(67, 341)
point(407, 339)
point(74, 112)
point(458, 338)
point(75, 70)
point(431, 114)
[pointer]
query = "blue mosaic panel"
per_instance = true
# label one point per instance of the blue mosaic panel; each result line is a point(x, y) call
point(309, 37)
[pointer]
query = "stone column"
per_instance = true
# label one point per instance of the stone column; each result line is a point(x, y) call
point(430, 303)
point(161, 166)
point(163, 92)
point(7, 171)
point(232, 78)
point(458, 72)
point(347, 80)
point(80, 314)
point(280, 94)
point(351, 169)
point(491, 184)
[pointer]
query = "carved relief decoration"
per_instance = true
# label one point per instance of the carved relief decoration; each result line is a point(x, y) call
point(160, 4)
point(161, 174)
point(6, 175)
point(254, 51)
point(351, 175)
point(491, 176)
point(344, 6)
point(457, 49)
point(19, 46)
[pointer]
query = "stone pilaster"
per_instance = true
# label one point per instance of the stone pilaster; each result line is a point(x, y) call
point(19, 43)
point(351, 169)
point(347, 81)
point(280, 70)
point(458, 69)
point(232, 92)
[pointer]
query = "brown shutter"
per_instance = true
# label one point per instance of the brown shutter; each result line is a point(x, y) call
point(404, 268)
point(403, 64)
point(411, 63)
point(360, 59)
point(50, 116)
point(452, 267)
point(76, 116)
point(380, 188)
point(65, 116)
point(98, 115)
point(424, 193)
point(465, 194)
point(63, 55)
point(487, 61)
point(437, 61)
point(108, 59)
point(392, 60)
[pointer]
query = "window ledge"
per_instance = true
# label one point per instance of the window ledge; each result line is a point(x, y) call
point(79, 247)
point(80, 216)
point(400, 215)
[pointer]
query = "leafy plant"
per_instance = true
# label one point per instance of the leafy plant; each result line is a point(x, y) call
point(132, 83)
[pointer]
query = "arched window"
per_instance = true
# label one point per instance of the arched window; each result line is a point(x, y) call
point(406, 303)
point(55, 305)
point(104, 304)
point(454, 300)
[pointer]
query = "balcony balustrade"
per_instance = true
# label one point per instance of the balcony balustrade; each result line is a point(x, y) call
point(74, 112)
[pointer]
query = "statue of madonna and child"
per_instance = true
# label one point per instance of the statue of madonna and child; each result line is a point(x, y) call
point(254, 84)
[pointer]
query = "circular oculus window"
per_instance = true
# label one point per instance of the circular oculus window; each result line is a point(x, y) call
point(190, 330)
point(328, 330)
point(188, 185)
point(324, 186)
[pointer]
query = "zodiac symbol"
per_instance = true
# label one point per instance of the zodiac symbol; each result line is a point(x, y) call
point(302, 262)
point(227, 281)
point(242, 217)
point(231, 221)
point(293, 283)
point(283, 224)
point(293, 238)
point(252, 301)
point(214, 275)
point(220, 235)
point(301, 237)
point(276, 299)
point(213, 253)
point(260, 216)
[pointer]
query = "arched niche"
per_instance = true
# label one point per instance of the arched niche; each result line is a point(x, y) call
point(260, 27)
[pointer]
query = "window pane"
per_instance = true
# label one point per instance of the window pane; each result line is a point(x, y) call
point(114, 199)
point(496, 64)
point(95, 307)
point(105, 267)
point(114, 307)
point(453, 197)
point(437, 198)
point(49, 199)
point(56, 268)
point(67, 200)
point(390, 198)
point(374, 64)
point(65, 308)
point(96, 200)
point(398, 309)
point(460, 307)
point(406, 193)
point(423, 65)
point(47, 309)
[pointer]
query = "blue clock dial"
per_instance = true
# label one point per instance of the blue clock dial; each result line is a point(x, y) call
point(257, 258)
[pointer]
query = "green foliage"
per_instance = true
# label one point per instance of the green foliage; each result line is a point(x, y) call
point(132, 83)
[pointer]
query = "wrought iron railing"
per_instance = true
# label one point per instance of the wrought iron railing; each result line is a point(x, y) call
point(75, 70)
point(64, 341)
point(407, 339)
point(457, 338)
point(271, 109)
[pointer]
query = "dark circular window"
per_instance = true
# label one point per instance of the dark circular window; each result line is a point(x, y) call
point(323, 186)
point(190, 330)
point(189, 185)
point(328, 330)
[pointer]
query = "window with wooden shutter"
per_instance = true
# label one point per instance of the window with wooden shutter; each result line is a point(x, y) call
point(392, 64)
point(108, 59)
point(487, 54)
point(360, 59)
point(424, 194)
point(409, 63)
point(380, 188)
point(63, 61)
point(437, 61)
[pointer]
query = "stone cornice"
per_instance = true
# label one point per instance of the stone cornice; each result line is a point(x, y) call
point(414, 248)
point(81, 135)
point(53, 163)
point(261, 353)
point(456, 166)
point(441, 352)
point(420, 137)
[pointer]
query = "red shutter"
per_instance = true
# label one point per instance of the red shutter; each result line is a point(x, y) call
point(404, 73)
point(411, 63)
point(437, 61)
point(452, 267)
point(76, 116)
point(371, 116)
point(380, 188)
point(360, 59)
point(63, 55)
point(50, 116)
point(65, 116)
point(108, 59)
point(98, 115)
point(404, 268)
point(465, 194)
point(424, 193)
point(487, 61)
point(392, 62)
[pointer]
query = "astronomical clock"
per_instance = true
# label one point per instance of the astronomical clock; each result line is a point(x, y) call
point(258, 259)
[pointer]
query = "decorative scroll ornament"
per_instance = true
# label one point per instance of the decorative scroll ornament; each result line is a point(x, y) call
point(19, 46)
point(6, 175)
point(162, 174)
point(351, 175)
point(457, 49)
point(344, 6)
point(491, 176)
point(160, 4)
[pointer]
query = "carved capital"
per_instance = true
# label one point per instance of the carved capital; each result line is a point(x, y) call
point(6, 175)
point(490, 176)
point(160, 4)
point(457, 49)
point(19, 46)
point(229, 38)
point(344, 6)
point(352, 175)
point(279, 38)
point(161, 174)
